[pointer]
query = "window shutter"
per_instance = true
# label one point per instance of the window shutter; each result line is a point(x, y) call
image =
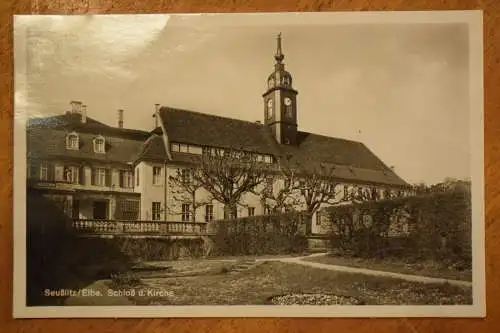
point(93, 176)
point(108, 177)
point(121, 176)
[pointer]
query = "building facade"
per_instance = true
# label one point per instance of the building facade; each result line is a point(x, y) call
point(98, 171)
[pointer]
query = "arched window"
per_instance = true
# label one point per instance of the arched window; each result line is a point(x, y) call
point(99, 144)
point(72, 141)
point(270, 83)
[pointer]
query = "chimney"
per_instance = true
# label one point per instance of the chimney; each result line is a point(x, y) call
point(157, 114)
point(76, 106)
point(84, 113)
point(120, 118)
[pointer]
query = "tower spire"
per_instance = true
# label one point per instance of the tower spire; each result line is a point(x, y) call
point(279, 56)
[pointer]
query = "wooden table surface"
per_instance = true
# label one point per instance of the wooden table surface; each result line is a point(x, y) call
point(492, 157)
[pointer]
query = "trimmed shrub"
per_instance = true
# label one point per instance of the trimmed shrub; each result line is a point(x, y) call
point(430, 226)
point(265, 234)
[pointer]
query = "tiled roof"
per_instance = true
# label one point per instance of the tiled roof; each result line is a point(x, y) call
point(153, 149)
point(208, 130)
point(352, 161)
point(72, 122)
point(47, 139)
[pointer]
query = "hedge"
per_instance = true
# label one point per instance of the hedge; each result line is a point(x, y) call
point(434, 225)
point(265, 234)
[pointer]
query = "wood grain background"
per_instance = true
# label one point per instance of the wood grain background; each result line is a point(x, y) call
point(492, 157)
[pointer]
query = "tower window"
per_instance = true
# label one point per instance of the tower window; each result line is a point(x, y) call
point(269, 108)
point(271, 83)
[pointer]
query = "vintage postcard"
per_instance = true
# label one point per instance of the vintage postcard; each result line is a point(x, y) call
point(249, 165)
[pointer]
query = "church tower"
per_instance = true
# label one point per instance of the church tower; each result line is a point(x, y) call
point(280, 102)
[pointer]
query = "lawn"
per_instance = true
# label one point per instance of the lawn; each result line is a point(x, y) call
point(425, 268)
point(257, 285)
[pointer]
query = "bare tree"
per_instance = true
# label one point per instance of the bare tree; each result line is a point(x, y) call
point(184, 187)
point(229, 174)
point(283, 196)
point(310, 189)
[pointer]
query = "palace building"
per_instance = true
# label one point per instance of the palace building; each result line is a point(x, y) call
point(101, 172)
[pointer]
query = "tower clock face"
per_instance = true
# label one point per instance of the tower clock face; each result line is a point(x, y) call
point(288, 101)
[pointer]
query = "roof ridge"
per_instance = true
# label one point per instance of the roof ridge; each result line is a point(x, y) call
point(168, 108)
point(330, 137)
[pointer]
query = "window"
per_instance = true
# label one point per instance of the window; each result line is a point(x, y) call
point(209, 213)
point(130, 209)
point(126, 179)
point(156, 175)
point(185, 176)
point(156, 211)
point(71, 174)
point(267, 210)
point(183, 148)
point(346, 192)
point(175, 147)
point(44, 170)
point(72, 141)
point(208, 151)
point(100, 177)
point(251, 211)
point(185, 212)
point(268, 159)
point(99, 145)
point(318, 218)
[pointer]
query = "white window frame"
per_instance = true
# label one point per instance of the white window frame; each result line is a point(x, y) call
point(98, 147)
point(157, 176)
point(186, 212)
point(74, 174)
point(209, 212)
point(44, 170)
point(156, 211)
point(185, 175)
point(251, 211)
point(72, 141)
point(175, 147)
point(100, 176)
point(183, 148)
point(127, 179)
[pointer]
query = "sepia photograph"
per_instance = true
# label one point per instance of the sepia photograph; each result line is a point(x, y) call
point(249, 165)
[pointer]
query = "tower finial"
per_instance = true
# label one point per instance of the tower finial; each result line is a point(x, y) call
point(279, 55)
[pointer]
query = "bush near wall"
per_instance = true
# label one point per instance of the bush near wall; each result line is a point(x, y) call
point(430, 226)
point(265, 234)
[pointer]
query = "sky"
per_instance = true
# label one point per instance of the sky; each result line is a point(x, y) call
point(400, 88)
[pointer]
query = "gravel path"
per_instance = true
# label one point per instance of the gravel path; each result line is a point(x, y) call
point(347, 269)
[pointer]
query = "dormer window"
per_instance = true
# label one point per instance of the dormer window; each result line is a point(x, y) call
point(72, 141)
point(100, 145)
